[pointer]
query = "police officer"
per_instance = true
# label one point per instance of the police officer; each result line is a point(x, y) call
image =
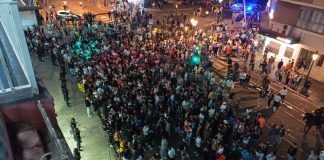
point(78, 138)
point(40, 51)
point(65, 92)
point(76, 153)
point(73, 124)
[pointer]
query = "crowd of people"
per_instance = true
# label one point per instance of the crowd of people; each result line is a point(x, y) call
point(143, 82)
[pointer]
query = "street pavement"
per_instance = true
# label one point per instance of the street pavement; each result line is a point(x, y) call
point(94, 139)
point(290, 114)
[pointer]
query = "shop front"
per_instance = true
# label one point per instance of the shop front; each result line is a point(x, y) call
point(281, 50)
point(300, 54)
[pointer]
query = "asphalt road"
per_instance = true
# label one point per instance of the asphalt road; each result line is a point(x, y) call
point(290, 114)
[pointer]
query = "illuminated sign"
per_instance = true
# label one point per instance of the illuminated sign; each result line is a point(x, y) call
point(284, 40)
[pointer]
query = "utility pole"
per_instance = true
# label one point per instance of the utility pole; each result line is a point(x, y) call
point(244, 9)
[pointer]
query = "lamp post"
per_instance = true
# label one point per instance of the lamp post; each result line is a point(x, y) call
point(244, 9)
point(194, 23)
point(176, 6)
point(314, 57)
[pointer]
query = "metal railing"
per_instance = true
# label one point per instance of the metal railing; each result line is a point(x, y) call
point(63, 155)
point(26, 3)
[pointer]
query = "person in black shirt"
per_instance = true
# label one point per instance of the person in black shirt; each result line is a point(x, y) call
point(65, 92)
point(292, 152)
point(281, 131)
point(270, 98)
point(40, 52)
point(76, 153)
point(73, 124)
point(280, 64)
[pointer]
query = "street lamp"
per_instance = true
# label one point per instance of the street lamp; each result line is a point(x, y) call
point(244, 9)
point(314, 57)
point(271, 14)
point(176, 6)
point(186, 28)
point(193, 22)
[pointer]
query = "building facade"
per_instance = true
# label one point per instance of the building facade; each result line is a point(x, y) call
point(29, 13)
point(17, 79)
point(299, 25)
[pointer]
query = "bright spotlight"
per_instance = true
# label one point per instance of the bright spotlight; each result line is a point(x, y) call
point(271, 14)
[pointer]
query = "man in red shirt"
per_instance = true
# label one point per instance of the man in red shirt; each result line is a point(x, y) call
point(262, 122)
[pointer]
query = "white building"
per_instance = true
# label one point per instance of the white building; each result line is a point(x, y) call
point(17, 79)
point(28, 12)
point(299, 25)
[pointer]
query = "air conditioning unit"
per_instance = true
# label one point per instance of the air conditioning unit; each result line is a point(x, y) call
point(284, 29)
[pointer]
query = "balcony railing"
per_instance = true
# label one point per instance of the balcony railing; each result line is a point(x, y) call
point(26, 3)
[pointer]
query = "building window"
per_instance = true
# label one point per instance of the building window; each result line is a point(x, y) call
point(311, 20)
point(320, 61)
point(273, 47)
point(305, 58)
point(289, 52)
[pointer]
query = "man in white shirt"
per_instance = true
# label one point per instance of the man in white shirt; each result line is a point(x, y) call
point(171, 153)
point(146, 130)
point(242, 77)
point(229, 85)
point(211, 112)
point(283, 94)
point(198, 145)
point(185, 105)
point(223, 106)
point(276, 103)
point(164, 145)
point(271, 156)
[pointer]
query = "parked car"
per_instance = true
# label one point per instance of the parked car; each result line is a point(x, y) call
point(67, 14)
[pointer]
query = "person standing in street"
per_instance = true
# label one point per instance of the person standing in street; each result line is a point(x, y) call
point(271, 156)
point(321, 155)
point(272, 133)
point(171, 153)
point(40, 52)
point(280, 133)
point(164, 146)
point(292, 152)
point(283, 94)
point(64, 4)
point(76, 154)
point(65, 92)
point(88, 104)
point(78, 139)
point(276, 102)
point(313, 155)
point(54, 56)
point(198, 142)
point(242, 77)
point(270, 98)
point(280, 64)
point(262, 122)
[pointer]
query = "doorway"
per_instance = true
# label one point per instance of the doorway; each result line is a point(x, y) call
point(305, 58)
